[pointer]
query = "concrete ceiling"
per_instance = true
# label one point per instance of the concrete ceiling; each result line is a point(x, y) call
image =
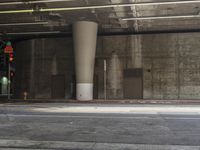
point(110, 19)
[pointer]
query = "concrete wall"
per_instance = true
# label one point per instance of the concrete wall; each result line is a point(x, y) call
point(39, 59)
point(170, 63)
point(174, 63)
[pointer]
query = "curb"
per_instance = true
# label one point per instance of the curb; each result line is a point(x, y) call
point(27, 144)
point(99, 101)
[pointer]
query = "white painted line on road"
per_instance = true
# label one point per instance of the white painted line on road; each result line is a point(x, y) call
point(103, 109)
point(118, 110)
point(178, 118)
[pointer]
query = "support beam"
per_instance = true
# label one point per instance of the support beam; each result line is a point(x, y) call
point(160, 17)
point(134, 9)
point(85, 36)
point(119, 11)
point(96, 6)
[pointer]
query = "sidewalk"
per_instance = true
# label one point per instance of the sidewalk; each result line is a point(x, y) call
point(99, 101)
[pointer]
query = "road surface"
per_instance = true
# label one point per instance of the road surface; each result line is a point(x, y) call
point(99, 127)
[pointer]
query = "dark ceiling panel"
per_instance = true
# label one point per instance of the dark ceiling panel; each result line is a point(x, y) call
point(108, 18)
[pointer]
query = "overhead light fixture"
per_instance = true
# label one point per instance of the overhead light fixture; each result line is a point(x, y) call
point(88, 7)
point(17, 11)
point(160, 17)
point(24, 23)
point(12, 3)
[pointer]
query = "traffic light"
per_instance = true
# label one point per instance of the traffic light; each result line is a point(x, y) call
point(8, 48)
point(11, 57)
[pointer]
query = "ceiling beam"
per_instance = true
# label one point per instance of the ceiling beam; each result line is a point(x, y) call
point(135, 14)
point(33, 2)
point(25, 23)
point(95, 6)
point(161, 17)
point(64, 34)
point(139, 3)
point(123, 24)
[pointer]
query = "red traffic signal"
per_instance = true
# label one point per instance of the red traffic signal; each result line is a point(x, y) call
point(11, 57)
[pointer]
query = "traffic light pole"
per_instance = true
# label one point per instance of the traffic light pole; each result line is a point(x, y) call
point(9, 81)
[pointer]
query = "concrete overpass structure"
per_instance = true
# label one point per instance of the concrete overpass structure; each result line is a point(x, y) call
point(91, 52)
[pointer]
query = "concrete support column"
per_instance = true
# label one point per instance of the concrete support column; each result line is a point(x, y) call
point(115, 77)
point(4, 85)
point(84, 36)
point(136, 51)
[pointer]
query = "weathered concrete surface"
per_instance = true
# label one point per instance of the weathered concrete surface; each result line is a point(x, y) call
point(174, 63)
point(49, 145)
point(114, 78)
point(100, 126)
point(35, 64)
point(170, 64)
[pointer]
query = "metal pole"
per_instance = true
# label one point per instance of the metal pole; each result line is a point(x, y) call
point(9, 81)
point(105, 77)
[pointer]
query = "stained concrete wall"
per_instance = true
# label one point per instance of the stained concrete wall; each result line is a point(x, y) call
point(170, 63)
point(23, 69)
point(174, 63)
point(39, 59)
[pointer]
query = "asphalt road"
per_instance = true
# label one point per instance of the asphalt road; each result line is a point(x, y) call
point(96, 126)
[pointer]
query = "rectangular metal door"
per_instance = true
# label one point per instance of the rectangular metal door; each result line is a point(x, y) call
point(58, 87)
point(133, 83)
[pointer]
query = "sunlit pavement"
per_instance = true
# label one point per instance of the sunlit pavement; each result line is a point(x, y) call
point(99, 127)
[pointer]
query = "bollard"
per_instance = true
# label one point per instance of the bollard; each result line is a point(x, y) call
point(25, 95)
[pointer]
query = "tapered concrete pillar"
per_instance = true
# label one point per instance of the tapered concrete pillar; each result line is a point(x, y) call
point(85, 36)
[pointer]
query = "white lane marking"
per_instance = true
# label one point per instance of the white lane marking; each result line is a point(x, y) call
point(129, 110)
point(116, 109)
point(100, 117)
